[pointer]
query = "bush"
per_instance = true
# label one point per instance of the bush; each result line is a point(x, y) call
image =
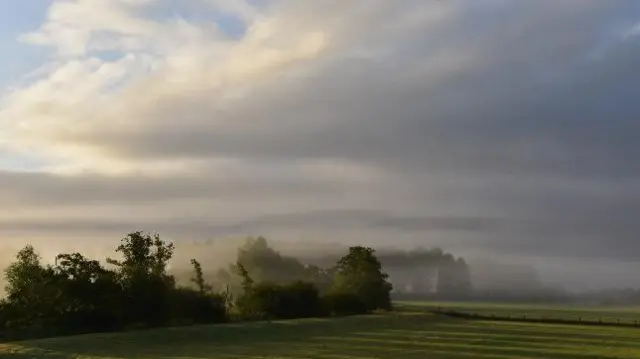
point(300, 300)
point(192, 307)
point(268, 300)
point(340, 304)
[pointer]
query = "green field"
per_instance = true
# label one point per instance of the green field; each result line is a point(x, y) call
point(629, 315)
point(397, 335)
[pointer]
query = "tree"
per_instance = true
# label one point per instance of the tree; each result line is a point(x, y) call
point(32, 296)
point(360, 273)
point(266, 264)
point(143, 256)
point(92, 296)
point(198, 278)
point(454, 279)
point(322, 278)
point(79, 295)
point(24, 275)
point(247, 281)
point(143, 276)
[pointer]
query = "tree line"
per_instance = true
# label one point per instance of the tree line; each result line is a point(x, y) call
point(77, 294)
point(417, 271)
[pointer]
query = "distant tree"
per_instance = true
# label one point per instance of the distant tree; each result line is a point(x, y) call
point(425, 272)
point(247, 281)
point(322, 278)
point(454, 279)
point(198, 278)
point(360, 273)
point(266, 264)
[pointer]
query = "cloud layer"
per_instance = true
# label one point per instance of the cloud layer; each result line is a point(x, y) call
point(490, 127)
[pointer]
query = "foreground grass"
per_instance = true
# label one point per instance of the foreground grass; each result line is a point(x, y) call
point(398, 336)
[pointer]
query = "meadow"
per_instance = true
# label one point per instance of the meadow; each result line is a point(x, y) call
point(399, 335)
point(624, 315)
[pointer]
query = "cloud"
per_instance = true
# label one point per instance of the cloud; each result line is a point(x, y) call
point(485, 127)
point(72, 26)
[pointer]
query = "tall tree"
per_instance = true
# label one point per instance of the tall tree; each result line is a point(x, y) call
point(360, 273)
point(143, 256)
point(23, 275)
point(143, 274)
point(33, 294)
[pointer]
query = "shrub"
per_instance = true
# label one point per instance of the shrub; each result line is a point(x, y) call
point(268, 300)
point(340, 304)
point(192, 307)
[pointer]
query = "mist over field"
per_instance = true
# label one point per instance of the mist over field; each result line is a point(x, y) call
point(502, 132)
point(503, 277)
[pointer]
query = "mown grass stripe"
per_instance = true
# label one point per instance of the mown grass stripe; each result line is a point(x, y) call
point(587, 332)
point(551, 337)
point(523, 331)
point(406, 353)
point(604, 353)
point(487, 341)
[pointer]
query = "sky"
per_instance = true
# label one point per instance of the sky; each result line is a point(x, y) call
point(495, 129)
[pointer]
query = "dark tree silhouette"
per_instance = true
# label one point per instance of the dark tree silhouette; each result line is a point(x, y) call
point(360, 273)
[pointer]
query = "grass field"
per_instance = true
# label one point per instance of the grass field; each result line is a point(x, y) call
point(605, 314)
point(398, 336)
